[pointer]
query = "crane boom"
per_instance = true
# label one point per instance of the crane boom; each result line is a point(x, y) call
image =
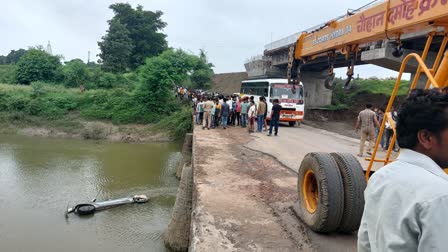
point(391, 18)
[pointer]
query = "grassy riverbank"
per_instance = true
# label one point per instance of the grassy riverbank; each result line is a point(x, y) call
point(347, 99)
point(114, 114)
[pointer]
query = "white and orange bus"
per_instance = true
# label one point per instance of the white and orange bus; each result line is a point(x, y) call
point(293, 104)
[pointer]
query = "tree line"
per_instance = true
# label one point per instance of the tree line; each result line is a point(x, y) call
point(133, 38)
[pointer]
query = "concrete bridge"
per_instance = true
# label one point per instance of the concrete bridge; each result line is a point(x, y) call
point(240, 189)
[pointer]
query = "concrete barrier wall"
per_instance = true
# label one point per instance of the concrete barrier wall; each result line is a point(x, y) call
point(177, 236)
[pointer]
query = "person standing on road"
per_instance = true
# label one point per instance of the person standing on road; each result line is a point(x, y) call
point(198, 111)
point(208, 106)
point(275, 117)
point(244, 110)
point(406, 202)
point(181, 93)
point(251, 113)
point(366, 122)
point(265, 123)
point(260, 114)
point(225, 111)
point(217, 113)
point(233, 113)
point(229, 102)
point(201, 110)
point(213, 115)
point(390, 131)
point(380, 118)
point(238, 112)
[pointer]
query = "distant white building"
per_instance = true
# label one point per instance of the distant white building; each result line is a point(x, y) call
point(49, 51)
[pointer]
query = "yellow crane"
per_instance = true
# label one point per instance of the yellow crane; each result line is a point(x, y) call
point(331, 186)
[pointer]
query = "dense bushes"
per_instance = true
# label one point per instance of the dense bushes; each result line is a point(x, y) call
point(144, 96)
point(76, 73)
point(8, 74)
point(343, 99)
point(55, 102)
point(37, 65)
point(178, 123)
point(38, 100)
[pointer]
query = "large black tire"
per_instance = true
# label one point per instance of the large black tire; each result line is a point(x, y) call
point(354, 185)
point(292, 124)
point(85, 209)
point(321, 211)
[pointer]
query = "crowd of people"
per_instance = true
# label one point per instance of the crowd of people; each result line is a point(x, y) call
point(369, 121)
point(214, 111)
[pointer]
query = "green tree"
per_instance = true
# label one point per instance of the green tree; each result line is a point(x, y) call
point(116, 48)
point(202, 74)
point(14, 56)
point(144, 29)
point(159, 76)
point(201, 78)
point(37, 65)
point(2, 60)
point(75, 73)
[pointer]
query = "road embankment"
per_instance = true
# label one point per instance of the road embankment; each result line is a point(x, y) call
point(245, 188)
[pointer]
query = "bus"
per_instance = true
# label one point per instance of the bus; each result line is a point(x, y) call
point(293, 105)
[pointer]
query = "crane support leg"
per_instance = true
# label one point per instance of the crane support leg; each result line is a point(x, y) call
point(442, 74)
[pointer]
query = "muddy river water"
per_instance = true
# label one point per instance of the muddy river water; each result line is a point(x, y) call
point(39, 177)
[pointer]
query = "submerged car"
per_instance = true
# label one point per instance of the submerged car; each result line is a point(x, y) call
point(93, 206)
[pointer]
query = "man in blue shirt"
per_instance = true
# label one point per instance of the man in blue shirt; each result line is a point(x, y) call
point(225, 111)
point(406, 202)
point(275, 117)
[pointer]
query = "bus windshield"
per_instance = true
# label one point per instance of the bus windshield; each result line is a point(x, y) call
point(255, 88)
point(284, 91)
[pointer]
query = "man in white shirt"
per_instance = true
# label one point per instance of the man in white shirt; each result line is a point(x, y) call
point(406, 202)
point(252, 113)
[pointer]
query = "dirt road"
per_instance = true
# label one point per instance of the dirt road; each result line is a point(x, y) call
point(293, 144)
point(243, 198)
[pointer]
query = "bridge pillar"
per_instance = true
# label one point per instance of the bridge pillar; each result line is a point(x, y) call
point(316, 95)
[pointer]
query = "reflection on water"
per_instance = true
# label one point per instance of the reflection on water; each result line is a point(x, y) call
point(39, 177)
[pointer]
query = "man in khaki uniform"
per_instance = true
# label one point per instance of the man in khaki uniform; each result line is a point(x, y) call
point(367, 122)
point(208, 106)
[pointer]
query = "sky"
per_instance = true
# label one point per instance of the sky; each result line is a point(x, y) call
point(230, 31)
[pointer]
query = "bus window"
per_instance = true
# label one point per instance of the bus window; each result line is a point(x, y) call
point(284, 91)
point(255, 88)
